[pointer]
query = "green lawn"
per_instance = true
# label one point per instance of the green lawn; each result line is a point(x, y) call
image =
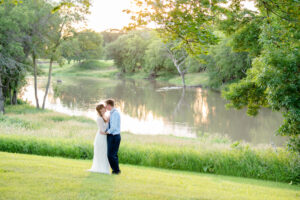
point(192, 79)
point(103, 69)
point(36, 177)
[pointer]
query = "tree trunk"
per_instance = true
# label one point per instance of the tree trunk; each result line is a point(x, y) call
point(6, 90)
point(1, 97)
point(10, 97)
point(35, 80)
point(48, 82)
point(14, 97)
point(9, 93)
point(183, 80)
point(179, 102)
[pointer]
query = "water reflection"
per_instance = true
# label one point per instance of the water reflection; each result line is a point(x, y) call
point(154, 108)
point(200, 107)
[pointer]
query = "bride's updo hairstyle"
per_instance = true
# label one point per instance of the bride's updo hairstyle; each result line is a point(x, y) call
point(98, 109)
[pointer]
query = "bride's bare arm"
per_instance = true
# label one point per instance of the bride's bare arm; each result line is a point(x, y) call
point(99, 123)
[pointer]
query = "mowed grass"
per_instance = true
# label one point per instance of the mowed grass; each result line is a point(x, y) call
point(37, 177)
point(192, 79)
point(96, 69)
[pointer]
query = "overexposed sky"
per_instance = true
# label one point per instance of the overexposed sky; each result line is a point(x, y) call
point(107, 14)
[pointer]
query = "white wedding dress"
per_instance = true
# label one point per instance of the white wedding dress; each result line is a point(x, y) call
point(100, 160)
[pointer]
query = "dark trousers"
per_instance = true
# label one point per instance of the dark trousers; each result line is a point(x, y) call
point(113, 143)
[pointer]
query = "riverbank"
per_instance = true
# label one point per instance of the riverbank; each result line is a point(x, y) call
point(36, 177)
point(107, 69)
point(27, 130)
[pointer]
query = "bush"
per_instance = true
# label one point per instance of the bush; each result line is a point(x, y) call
point(240, 161)
point(93, 64)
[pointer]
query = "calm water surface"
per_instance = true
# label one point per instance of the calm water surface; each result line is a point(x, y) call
point(150, 107)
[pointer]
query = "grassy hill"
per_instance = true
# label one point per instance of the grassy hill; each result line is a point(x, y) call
point(37, 177)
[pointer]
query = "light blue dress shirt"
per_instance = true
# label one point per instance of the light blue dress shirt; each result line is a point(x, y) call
point(114, 125)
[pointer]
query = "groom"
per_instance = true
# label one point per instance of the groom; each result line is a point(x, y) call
point(113, 136)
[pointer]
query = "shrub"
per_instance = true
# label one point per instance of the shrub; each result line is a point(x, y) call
point(93, 64)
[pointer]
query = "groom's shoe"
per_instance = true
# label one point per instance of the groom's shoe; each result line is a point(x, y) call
point(116, 173)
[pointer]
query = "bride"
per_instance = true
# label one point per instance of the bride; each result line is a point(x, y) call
point(100, 160)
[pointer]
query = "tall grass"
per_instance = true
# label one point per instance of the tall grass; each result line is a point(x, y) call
point(239, 161)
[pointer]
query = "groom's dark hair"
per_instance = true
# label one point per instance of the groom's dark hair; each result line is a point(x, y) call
point(110, 102)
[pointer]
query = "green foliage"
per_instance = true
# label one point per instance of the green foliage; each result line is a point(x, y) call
point(224, 65)
point(12, 67)
point(33, 28)
point(84, 45)
point(110, 36)
point(90, 44)
point(157, 59)
point(244, 28)
point(70, 49)
point(196, 64)
point(240, 161)
point(273, 80)
point(128, 51)
point(187, 21)
point(92, 65)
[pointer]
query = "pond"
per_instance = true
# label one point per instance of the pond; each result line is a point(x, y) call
point(152, 108)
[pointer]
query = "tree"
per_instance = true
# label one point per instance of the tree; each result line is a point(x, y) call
point(62, 27)
point(190, 21)
point(91, 45)
point(36, 33)
point(70, 49)
point(224, 65)
point(178, 56)
point(157, 58)
point(11, 53)
point(269, 35)
point(84, 45)
point(33, 28)
point(128, 50)
point(273, 80)
point(111, 35)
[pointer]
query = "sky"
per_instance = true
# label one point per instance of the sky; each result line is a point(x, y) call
point(107, 14)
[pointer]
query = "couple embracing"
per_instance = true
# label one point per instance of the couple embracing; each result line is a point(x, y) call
point(107, 140)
